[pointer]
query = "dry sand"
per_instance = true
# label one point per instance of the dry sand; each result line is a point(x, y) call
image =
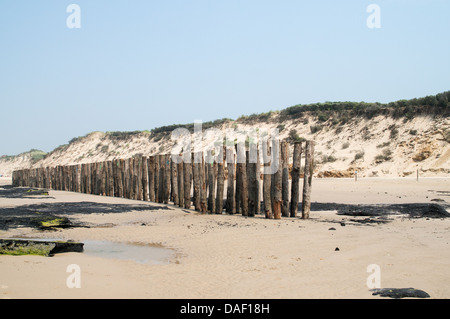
point(222, 256)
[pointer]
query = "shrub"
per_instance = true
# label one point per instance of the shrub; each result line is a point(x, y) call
point(358, 156)
point(315, 128)
point(104, 148)
point(394, 131)
point(383, 144)
point(328, 159)
point(365, 133)
point(413, 132)
point(322, 117)
point(384, 156)
point(345, 145)
point(293, 136)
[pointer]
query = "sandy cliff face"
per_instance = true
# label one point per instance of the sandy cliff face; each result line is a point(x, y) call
point(380, 146)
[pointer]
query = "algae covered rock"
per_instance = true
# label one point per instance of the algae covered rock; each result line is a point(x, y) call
point(18, 247)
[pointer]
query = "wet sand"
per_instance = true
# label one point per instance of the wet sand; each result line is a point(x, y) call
point(223, 256)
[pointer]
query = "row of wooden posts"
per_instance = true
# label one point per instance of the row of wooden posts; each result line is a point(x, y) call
point(160, 179)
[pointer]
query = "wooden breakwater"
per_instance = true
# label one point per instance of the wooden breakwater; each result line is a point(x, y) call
point(209, 183)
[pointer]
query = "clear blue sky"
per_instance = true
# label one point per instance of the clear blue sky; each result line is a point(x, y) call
point(136, 65)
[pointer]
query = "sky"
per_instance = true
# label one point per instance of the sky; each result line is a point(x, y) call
point(136, 65)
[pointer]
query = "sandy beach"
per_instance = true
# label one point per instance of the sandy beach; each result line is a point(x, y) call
point(230, 256)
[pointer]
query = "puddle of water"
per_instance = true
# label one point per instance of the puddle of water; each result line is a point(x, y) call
point(140, 253)
point(137, 252)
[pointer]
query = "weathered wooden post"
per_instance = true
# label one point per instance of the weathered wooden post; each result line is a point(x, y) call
point(211, 181)
point(238, 187)
point(151, 178)
point(230, 203)
point(138, 167)
point(175, 188)
point(181, 184)
point(285, 179)
point(309, 167)
point(220, 180)
point(267, 181)
point(167, 179)
point(105, 178)
point(196, 158)
point(157, 177)
point(243, 185)
point(187, 184)
point(203, 187)
point(144, 178)
point(174, 178)
point(162, 178)
point(128, 178)
point(253, 180)
point(295, 186)
point(66, 178)
point(276, 180)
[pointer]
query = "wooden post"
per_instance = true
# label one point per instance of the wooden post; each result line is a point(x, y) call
point(144, 178)
point(157, 177)
point(243, 183)
point(187, 184)
point(276, 180)
point(203, 188)
point(104, 172)
point(66, 178)
point(167, 179)
point(295, 185)
point(196, 180)
point(162, 179)
point(129, 178)
point(78, 177)
point(211, 181)
point(230, 204)
point(238, 187)
point(140, 192)
point(87, 174)
point(151, 178)
point(258, 181)
point(267, 182)
point(253, 180)
point(220, 181)
point(174, 180)
point(181, 184)
point(110, 178)
point(309, 166)
point(175, 194)
point(285, 179)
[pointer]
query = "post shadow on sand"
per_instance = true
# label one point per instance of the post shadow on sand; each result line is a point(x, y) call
point(34, 214)
point(8, 191)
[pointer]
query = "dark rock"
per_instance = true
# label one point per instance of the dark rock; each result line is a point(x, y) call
point(400, 293)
